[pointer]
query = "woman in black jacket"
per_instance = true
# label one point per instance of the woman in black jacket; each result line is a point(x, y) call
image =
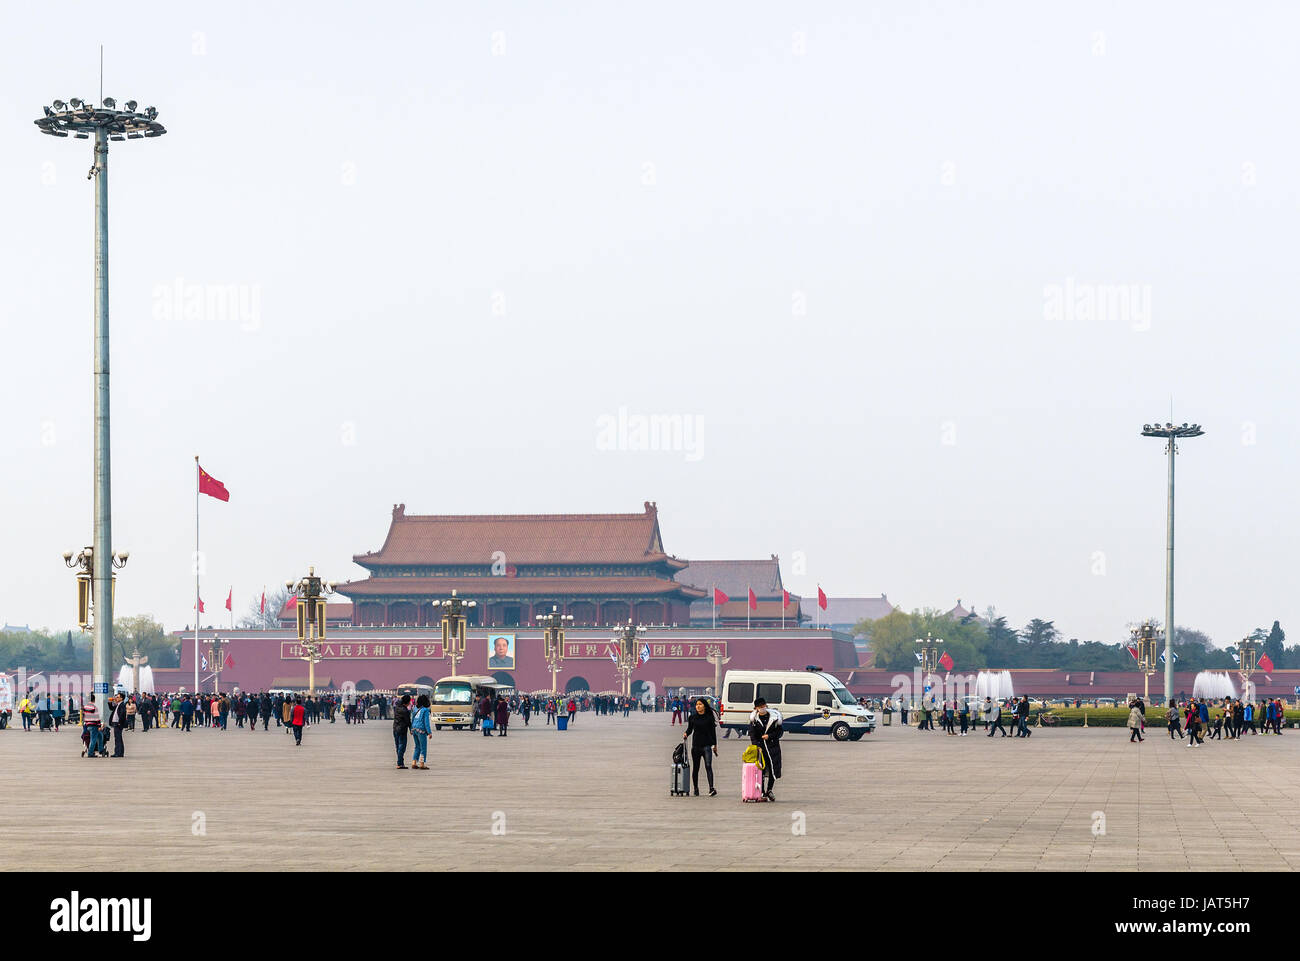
point(705, 727)
point(765, 731)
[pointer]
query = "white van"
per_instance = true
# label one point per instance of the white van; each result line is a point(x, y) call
point(810, 702)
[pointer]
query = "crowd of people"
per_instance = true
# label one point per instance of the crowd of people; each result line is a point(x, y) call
point(1228, 719)
point(993, 715)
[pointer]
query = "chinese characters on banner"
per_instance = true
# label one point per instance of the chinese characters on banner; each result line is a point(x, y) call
point(697, 650)
point(369, 650)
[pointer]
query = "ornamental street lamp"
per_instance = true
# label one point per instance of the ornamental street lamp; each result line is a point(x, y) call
point(627, 653)
point(1171, 435)
point(553, 640)
point(454, 615)
point(1248, 664)
point(310, 594)
point(1146, 641)
point(930, 647)
point(107, 123)
point(83, 562)
point(216, 661)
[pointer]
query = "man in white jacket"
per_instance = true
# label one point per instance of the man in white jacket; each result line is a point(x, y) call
point(993, 711)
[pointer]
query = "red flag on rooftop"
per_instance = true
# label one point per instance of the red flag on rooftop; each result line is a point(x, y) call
point(211, 486)
point(821, 598)
point(945, 661)
point(753, 600)
point(1265, 664)
point(719, 597)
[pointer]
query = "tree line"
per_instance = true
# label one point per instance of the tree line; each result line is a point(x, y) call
point(976, 643)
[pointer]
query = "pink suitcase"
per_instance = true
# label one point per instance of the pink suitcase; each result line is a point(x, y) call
point(751, 782)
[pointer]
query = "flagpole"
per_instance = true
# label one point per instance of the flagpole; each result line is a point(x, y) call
point(197, 566)
point(749, 592)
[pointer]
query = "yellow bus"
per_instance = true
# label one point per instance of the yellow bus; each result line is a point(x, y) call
point(454, 698)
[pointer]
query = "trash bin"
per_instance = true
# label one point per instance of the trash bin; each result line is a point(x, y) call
point(562, 722)
point(889, 718)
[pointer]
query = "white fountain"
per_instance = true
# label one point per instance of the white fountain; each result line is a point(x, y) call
point(126, 679)
point(1215, 685)
point(994, 684)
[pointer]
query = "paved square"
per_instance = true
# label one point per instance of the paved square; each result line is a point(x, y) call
point(596, 797)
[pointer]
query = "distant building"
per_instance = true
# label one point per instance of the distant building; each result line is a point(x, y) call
point(602, 569)
point(736, 579)
point(960, 613)
point(845, 613)
point(15, 629)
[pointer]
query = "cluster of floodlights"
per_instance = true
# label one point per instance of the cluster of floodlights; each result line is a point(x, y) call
point(1171, 430)
point(78, 118)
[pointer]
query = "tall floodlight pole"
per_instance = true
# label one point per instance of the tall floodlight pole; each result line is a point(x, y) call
point(105, 123)
point(1171, 434)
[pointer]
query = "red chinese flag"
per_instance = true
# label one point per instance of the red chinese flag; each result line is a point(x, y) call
point(200, 605)
point(1134, 651)
point(785, 598)
point(719, 597)
point(230, 660)
point(212, 487)
point(293, 602)
point(230, 599)
point(945, 661)
point(1265, 664)
point(262, 609)
point(821, 598)
point(753, 601)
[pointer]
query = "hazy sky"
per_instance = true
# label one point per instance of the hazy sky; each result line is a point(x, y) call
point(416, 252)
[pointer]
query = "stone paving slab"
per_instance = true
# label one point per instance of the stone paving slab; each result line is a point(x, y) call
point(596, 798)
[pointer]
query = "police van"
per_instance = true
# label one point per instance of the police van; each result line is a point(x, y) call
point(810, 702)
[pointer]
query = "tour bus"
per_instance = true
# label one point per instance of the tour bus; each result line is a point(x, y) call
point(810, 702)
point(454, 698)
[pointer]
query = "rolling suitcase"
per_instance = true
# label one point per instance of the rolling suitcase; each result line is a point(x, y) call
point(681, 783)
point(751, 782)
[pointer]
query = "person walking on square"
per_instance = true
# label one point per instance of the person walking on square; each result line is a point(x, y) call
point(1171, 715)
point(964, 714)
point(420, 730)
point(1134, 723)
point(526, 709)
point(90, 725)
point(573, 710)
point(677, 712)
point(187, 713)
point(993, 711)
point(401, 725)
point(1022, 717)
point(765, 731)
point(704, 726)
point(502, 716)
point(27, 710)
point(116, 722)
point(297, 718)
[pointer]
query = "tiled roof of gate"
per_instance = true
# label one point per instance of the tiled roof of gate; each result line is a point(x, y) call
point(520, 539)
point(475, 588)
